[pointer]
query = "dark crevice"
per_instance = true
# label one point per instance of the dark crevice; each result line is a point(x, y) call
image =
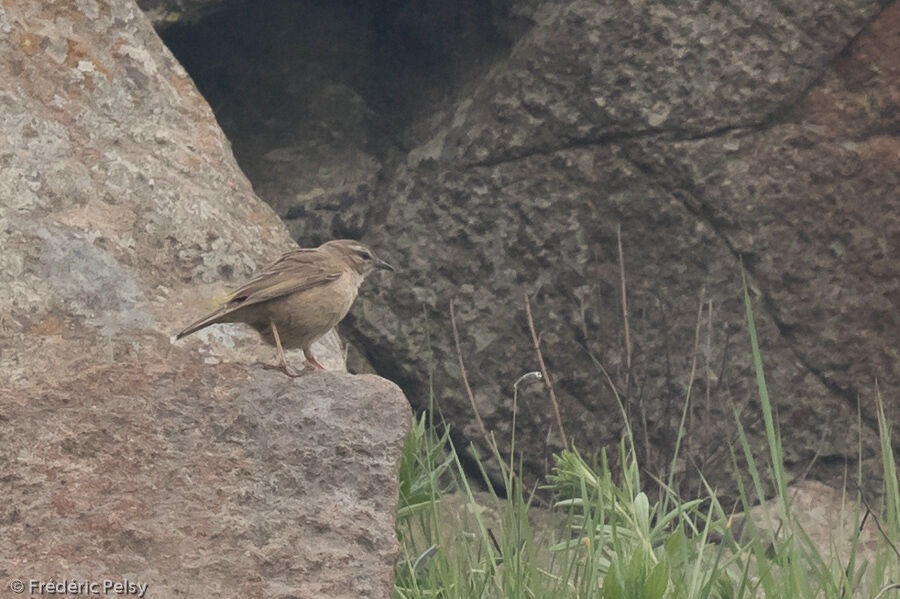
point(775, 117)
point(606, 140)
point(701, 210)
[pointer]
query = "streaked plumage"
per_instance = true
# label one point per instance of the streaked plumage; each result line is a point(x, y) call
point(300, 297)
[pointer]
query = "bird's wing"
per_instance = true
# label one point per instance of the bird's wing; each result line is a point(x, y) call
point(296, 270)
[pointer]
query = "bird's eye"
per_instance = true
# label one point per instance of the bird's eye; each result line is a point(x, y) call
point(362, 252)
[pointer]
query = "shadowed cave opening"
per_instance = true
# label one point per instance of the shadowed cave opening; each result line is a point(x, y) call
point(319, 97)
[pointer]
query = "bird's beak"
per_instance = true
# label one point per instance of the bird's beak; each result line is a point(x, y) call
point(379, 263)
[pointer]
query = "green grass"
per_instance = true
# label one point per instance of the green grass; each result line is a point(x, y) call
point(609, 540)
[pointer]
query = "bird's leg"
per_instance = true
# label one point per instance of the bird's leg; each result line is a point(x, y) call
point(282, 362)
point(311, 359)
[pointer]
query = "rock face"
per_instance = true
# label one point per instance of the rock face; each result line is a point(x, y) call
point(826, 516)
point(122, 215)
point(696, 132)
point(227, 482)
point(713, 135)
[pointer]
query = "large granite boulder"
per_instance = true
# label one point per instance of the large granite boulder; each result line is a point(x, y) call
point(187, 467)
point(228, 481)
point(713, 136)
point(706, 133)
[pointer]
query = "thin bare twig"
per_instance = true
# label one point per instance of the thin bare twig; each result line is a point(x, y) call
point(690, 411)
point(708, 357)
point(686, 414)
point(547, 381)
point(465, 378)
point(615, 391)
point(624, 308)
point(494, 542)
point(881, 530)
point(812, 462)
point(626, 325)
point(891, 587)
point(533, 375)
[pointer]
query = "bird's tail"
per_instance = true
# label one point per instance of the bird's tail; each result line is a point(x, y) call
point(204, 322)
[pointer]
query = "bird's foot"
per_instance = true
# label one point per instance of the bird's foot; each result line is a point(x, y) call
point(285, 369)
point(312, 363)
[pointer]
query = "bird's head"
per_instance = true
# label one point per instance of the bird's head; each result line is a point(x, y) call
point(357, 255)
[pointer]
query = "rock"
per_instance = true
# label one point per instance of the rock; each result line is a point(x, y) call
point(828, 517)
point(589, 73)
point(693, 131)
point(227, 481)
point(710, 134)
point(182, 466)
point(121, 194)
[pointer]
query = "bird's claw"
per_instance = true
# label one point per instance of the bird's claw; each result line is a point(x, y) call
point(284, 368)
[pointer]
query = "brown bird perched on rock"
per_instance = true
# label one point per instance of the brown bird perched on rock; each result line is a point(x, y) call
point(300, 297)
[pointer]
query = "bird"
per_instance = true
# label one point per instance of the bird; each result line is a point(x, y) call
point(298, 298)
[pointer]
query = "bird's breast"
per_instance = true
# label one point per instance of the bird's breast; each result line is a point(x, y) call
point(312, 313)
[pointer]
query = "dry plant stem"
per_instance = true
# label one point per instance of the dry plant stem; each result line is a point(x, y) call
point(547, 381)
point(812, 462)
point(626, 325)
point(881, 530)
point(708, 356)
point(609, 381)
point(694, 364)
point(645, 430)
point(889, 587)
point(512, 443)
point(624, 308)
point(465, 378)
